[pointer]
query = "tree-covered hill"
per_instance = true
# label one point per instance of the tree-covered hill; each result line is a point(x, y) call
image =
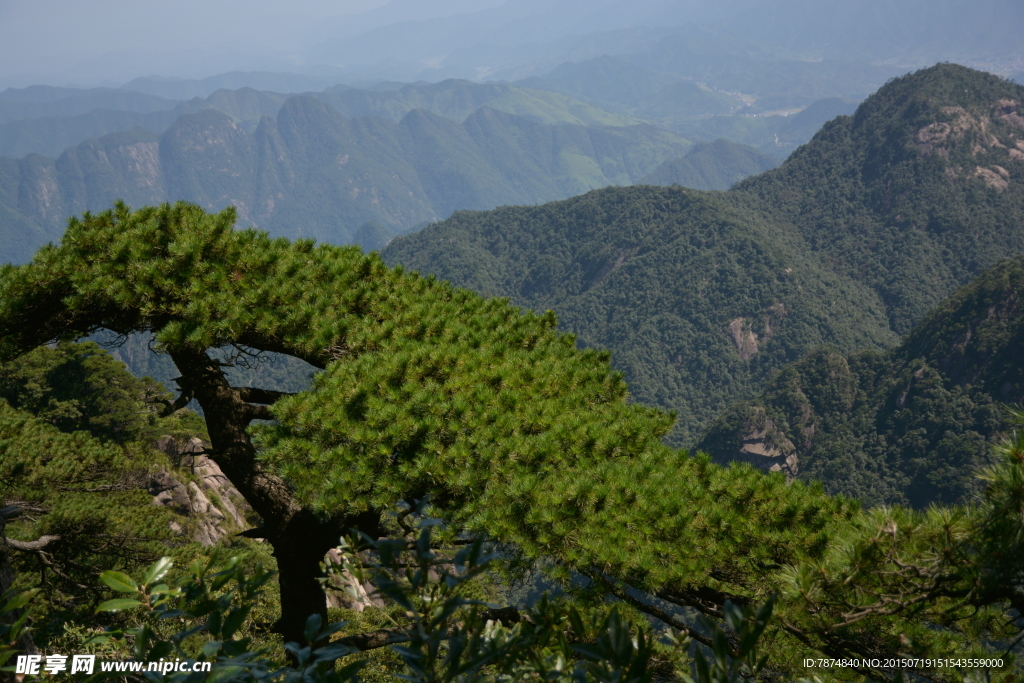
point(313, 172)
point(701, 297)
point(908, 426)
point(916, 193)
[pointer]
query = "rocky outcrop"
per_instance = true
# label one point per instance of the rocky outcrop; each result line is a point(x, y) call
point(345, 590)
point(209, 500)
point(744, 338)
point(747, 434)
point(766, 447)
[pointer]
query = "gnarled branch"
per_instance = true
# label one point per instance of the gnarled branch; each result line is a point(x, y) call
point(32, 546)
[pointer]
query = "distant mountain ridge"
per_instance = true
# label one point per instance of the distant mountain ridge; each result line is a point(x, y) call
point(712, 166)
point(48, 120)
point(702, 298)
point(313, 172)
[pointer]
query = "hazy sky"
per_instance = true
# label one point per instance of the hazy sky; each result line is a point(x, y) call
point(61, 42)
point(111, 42)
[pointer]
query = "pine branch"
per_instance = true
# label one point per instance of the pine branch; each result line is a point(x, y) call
point(32, 546)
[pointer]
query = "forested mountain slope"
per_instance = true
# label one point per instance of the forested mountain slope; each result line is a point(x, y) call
point(701, 297)
point(312, 172)
point(909, 426)
point(916, 193)
point(699, 300)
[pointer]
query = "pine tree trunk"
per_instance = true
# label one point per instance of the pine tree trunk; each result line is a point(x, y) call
point(300, 539)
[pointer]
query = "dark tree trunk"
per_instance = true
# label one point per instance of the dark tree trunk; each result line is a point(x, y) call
point(298, 564)
point(299, 538)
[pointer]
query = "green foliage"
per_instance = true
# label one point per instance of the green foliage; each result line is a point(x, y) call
point(507, 427)
point(451, 412)
point(1003, 509)
point(660, 276)
point(428, 390)
point(731, 664)
point(86, 497)
point(214, 598)
point(80, 387)
point(13, 618)
point(75, 462)
point(444, 636)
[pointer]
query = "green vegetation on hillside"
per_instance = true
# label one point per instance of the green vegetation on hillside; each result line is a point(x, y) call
point(699, 301)
point(907, 427)
point(75, 462)
point(714, 166)
point(916, 193)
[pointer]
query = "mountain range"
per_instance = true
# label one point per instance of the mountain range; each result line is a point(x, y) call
point(328, 164)
point(313, 172)
point(704, 297)
point(47, 120)
point(772, 317)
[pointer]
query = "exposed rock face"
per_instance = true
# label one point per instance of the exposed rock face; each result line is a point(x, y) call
point(218, 510)
point(981, 132)
point(996, 177)
point(211, 499)
point(169, 492)
point(766, 447)
point(744, 338)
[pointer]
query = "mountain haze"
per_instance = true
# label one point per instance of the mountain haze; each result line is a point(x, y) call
point(47, 120)
point(313, 172)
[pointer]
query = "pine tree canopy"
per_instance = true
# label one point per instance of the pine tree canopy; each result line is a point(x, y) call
point(428, 390)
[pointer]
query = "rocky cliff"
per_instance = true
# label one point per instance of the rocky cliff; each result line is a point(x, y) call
point(210, 506)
